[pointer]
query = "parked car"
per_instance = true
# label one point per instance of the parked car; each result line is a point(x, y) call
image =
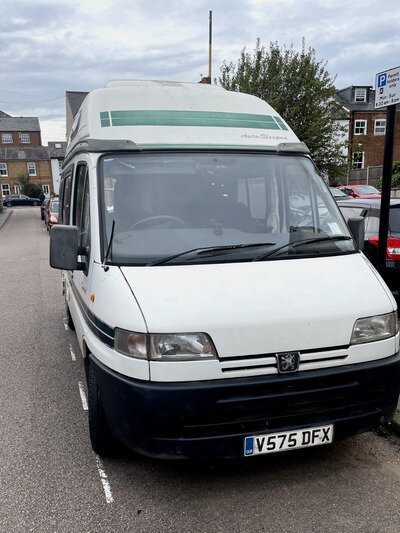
point(360, 191)
point(43, 207)
point(338, 194)
point(19, 199)
point(51, 213)
point(370, 210)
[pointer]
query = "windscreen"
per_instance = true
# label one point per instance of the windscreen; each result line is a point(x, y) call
point(54, 207)
point(216, 207)
point(366, 189)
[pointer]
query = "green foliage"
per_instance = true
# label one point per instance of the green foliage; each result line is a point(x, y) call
point(33, 190)
point(301, 90)
point(30, 189)
point(395, 177)
point(24, 181)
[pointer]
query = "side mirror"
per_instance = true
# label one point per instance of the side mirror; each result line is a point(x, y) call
point(64, 248)
point(357, 228)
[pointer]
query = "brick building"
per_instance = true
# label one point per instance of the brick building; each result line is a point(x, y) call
point(367, 126)
point(21, 151)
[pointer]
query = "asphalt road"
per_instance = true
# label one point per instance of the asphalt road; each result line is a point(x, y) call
point(50, 479)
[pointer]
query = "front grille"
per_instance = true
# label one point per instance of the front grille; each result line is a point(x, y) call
point(278, 406)
point(266, 363)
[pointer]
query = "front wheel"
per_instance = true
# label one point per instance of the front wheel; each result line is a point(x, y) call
point(103, 442)
point(35, 204)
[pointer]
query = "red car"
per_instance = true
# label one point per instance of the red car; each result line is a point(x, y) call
point(43, 207)
point(360, 191)
point(51, 213)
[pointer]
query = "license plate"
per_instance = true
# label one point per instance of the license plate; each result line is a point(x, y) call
point(288, 440)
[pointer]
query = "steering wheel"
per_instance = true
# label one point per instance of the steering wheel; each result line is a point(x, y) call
point(149, 222)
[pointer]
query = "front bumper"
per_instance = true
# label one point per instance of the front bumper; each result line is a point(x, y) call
point(212, 418)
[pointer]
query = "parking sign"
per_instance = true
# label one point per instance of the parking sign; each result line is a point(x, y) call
point(387, 88)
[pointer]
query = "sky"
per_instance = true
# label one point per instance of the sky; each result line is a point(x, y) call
point(50, 46)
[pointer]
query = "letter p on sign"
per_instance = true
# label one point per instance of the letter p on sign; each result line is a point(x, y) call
point(382, 80)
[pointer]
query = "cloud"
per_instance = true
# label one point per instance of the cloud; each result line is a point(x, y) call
point(48, 47)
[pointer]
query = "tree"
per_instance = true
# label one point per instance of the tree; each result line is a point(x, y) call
point(301, 90)
point(395, 177)
point(30, 189)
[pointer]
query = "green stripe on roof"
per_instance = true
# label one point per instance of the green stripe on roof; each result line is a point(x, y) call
point(281, 123)
point(209, 122)
point(190, 114)
point(190, 118)
point(149, 146)
point(105, 118)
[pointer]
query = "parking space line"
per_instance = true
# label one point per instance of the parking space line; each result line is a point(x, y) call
point(83, 395)
point(104, 480)
point(65, 323)
point(73, 356)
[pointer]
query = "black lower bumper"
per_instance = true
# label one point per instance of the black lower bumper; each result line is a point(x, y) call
point(212, 418)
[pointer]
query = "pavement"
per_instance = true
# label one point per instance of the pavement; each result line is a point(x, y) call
point(51, 481)
point(4, 216)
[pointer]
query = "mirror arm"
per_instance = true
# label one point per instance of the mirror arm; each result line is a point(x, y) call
point(82, 250)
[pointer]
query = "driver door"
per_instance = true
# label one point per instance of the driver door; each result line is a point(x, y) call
point(81, 219)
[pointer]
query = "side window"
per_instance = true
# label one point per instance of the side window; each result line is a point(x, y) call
point(349, 212)
point(61, 195)
point(81, 217)
point(372, 224)
point(66, 200)
point(80, 178)
point(84, 225)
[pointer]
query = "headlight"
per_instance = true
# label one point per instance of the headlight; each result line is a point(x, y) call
point(181, 347)
point(129, 343)
point(374, 328)
point(53, 218)
point(165, 346)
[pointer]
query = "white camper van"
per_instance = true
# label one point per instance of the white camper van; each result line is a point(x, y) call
point(202, 255)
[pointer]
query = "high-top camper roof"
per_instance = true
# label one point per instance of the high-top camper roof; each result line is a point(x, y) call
point(165, 114)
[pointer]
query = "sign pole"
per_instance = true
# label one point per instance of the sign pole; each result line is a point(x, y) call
point(209, 47)
point(386, 187)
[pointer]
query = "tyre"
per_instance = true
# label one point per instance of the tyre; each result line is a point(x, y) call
point(42, 215)
point(9, 204)
point(35, 204)
point(103, 443)
point(70, 322)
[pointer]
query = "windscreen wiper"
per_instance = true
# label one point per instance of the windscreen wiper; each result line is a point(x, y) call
point(207, 250)
point(108, 247)
point(304, 241)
